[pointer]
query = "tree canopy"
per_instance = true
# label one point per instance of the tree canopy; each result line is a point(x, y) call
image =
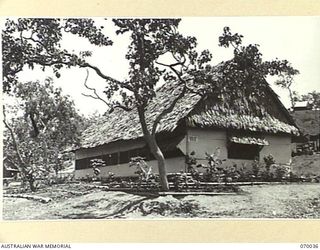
point(158, 54)
point(45, 124)
point(313, 99)
point(37, 41)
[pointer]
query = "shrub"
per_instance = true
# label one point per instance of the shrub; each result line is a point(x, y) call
point(192, 165)
point(144, 171)
point(145, 175)
point(96, 164)
point(182, 180)
point(110, 178)
point(231, 173)
point(282, 172)
point(269, 161)
point(256, 168)
point(267, 174)
point(191, 162)
point(214, 170)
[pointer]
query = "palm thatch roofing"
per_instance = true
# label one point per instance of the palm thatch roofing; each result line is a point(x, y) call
point(267, 115)
point(249, 140)
point(308, 121)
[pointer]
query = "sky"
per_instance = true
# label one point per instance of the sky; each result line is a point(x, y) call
point(293, 38)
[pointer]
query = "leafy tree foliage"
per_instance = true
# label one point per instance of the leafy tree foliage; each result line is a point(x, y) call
point(247, 70)
point(37, 41)
point(313, 99)
point(157, 53)
point(40, 128)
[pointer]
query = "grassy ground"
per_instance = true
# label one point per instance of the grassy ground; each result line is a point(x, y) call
point(306, 164)
point(82, 202)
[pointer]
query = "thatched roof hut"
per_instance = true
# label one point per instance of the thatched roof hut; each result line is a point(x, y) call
point(267, 115)
point(262, 125)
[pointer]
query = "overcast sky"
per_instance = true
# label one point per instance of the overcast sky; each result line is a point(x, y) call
point(296, 39)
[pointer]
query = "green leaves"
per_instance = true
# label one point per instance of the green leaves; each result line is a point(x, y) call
point(37, 41)
point(151, 42)
point(44, 126)
point(85, 27)
point(228, 38)
point(245, 74)
point(313, 99)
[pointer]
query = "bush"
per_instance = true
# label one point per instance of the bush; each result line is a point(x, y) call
point(256, 168)
point(266, 173)
point(214, 170)
point(96, 164)
point(282, 172)
point(108, 179)
point(182, 180)
point(144, 171)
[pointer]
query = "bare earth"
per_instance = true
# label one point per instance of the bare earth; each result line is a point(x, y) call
point(82, 202)
point(306, 164)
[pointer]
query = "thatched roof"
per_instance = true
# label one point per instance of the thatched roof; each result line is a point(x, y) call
point(122, 125)
point(196, 111)
point(264, 115)
point(249, 140)
point(308, 121)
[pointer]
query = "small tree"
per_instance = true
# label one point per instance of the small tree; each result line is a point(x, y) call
point(144, 171)
point(286, 81)
point(192, 163)
point(35, 140)
point(214, 166)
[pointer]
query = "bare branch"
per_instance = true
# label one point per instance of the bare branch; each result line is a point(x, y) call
point(170, 65)
point(182, 93)
point(108, 78)
point(95, 93)
point(96, 96)
point(168, 110)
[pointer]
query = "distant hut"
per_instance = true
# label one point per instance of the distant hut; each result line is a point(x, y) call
point(307, 120)
point(9, 170)
point(243, 130)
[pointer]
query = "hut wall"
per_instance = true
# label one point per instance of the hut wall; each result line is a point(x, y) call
point(280, 148)
point(109, 148)
point(173, 165)
point(198, 140)
point(203, 140)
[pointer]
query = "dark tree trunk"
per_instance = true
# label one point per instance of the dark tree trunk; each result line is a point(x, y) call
point(155, 150)
point(22, 166)
point(157, 153)
point(31, 184)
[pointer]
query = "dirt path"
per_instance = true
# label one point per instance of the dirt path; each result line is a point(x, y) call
point(78, 202)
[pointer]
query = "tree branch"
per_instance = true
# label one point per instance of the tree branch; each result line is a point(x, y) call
point(174, 102)
point(38, 42)
point(170, 65)
point(81, 65)
point(108, 78)
point(167, 110)
point(96, 95)
point(118, 105)
point(15, 144)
